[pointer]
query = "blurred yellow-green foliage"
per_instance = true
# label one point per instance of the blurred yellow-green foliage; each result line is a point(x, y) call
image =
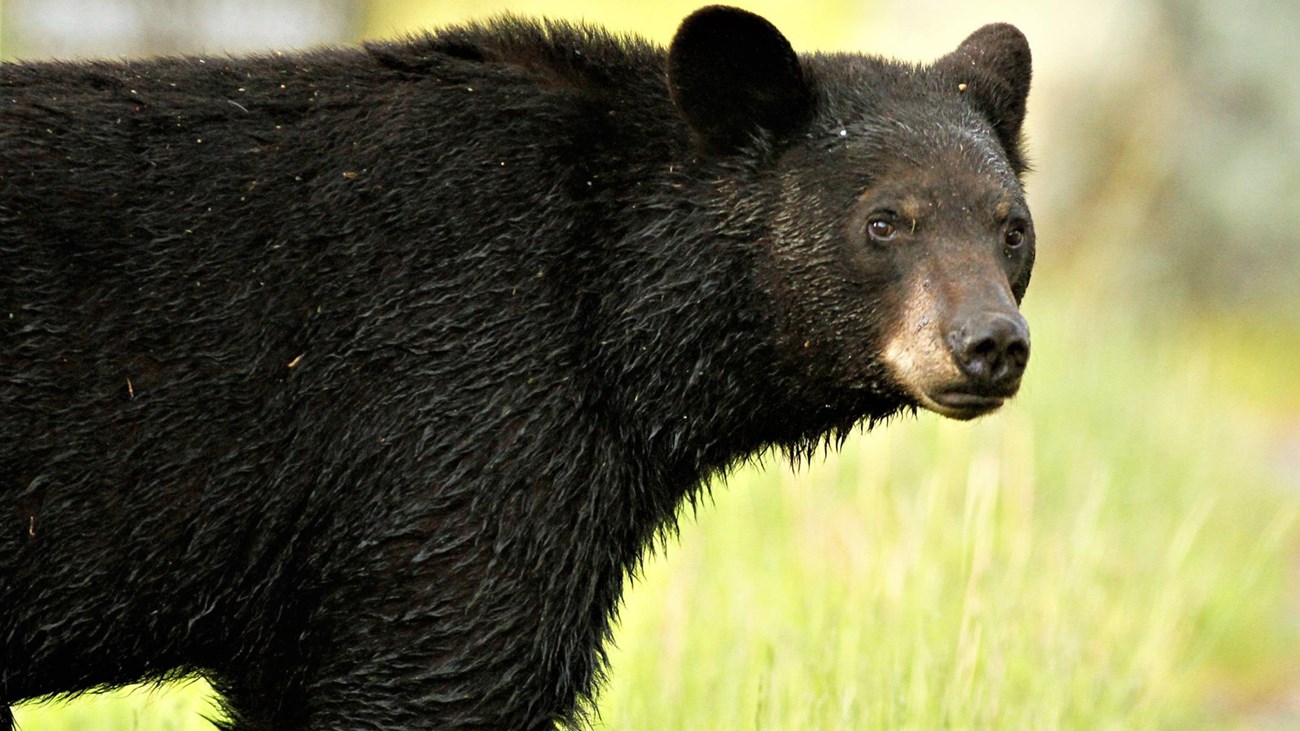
point(826, 23)
point(1117, 549)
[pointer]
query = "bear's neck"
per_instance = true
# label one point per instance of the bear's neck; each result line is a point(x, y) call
point(688, 373)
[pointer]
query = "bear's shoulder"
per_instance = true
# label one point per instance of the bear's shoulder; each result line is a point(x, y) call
point(558, 53)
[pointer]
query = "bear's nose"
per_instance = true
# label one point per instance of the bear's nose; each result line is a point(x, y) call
point(992, 350)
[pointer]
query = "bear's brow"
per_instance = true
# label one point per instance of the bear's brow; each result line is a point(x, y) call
point(911, 207)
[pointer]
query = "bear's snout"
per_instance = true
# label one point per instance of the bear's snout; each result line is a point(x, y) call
point(960, 352)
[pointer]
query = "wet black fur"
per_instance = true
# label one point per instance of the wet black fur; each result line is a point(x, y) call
point(359, 380)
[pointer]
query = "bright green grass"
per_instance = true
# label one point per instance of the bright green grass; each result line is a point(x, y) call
point(1109, 552)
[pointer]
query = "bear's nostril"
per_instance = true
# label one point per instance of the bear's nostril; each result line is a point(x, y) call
point(985, 349)
point(1018, 353)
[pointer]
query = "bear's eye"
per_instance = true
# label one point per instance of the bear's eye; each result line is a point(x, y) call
point(1015, 236)
point(881, 229)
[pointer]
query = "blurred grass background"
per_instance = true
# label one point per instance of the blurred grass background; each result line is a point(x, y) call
point(1119, 548)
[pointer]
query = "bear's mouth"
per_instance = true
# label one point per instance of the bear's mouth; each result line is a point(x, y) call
point(961, 405)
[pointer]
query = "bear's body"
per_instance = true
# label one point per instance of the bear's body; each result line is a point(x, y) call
point(358, 380)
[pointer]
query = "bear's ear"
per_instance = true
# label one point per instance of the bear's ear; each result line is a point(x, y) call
point(992, 67)
point(732, 73)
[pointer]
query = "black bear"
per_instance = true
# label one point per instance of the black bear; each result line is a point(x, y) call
point(358, 380)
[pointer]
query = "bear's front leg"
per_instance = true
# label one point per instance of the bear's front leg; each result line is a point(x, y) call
point(445, 634)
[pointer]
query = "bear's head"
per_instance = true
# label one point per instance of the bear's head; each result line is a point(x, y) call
point(896, 243)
